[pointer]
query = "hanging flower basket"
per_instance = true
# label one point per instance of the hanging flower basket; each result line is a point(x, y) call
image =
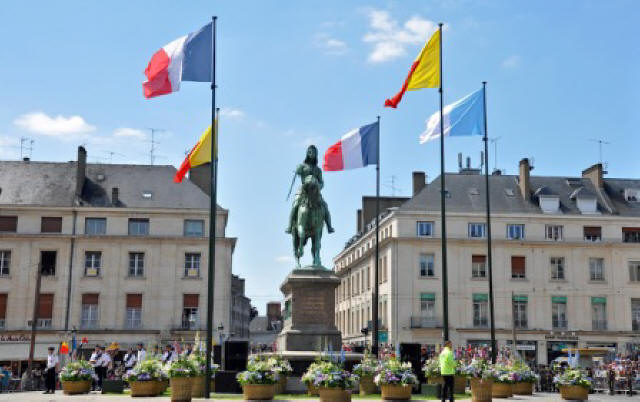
point(396, 391)
point(76, 387)
point(574, 392)
point(334, 394)
point(523, 388)
point(367, 386)
point(501, 390)
point(258, 391)
point(481, 389)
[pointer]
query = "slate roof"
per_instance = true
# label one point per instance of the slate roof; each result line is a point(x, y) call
point(53, 184)
point(466, 193)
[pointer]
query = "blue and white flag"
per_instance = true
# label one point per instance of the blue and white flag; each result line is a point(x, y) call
point(464, 117)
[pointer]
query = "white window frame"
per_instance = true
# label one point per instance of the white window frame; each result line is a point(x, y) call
point(420, 225)
point(553, 232)
point(188, 320)
point(428, 309)
point(634, 271)
point(90, 316)
point(596, 269)
point(480, 314)
point(5, 262)
point(558, 267)
point(138, 226)
point(478, 268)
point(559, 315)
point(520, 315)
point(599, 316)
point(91, 226)
point(91, 262)
point(133, 318)
point(192, 262)
point(477, 230)
point(427, 261)
point(513, 234)
point(137, 270)
point(635, 314)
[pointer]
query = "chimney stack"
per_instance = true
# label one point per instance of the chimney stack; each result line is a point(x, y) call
point(81, 170)
point(360, 224)
point(524, 182)
point(115, 196)
point(419, 182)
point(595, 174)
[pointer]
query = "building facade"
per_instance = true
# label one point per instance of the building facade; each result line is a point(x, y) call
point(122, 253)
point(566, 264)
point(240, 309)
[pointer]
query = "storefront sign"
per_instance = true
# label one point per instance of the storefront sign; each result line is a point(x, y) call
point(562, 337)
point(15, 338)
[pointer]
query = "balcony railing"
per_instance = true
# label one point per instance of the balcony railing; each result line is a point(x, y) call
point(424, 322)
point(41, 323)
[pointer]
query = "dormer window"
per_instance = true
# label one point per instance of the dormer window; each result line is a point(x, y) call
point(585, 200)
point(632, 195)
point(548, 200)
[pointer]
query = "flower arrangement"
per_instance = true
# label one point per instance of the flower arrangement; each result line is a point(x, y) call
point(523, 373)
point(478, 368)
point(200, 362)
point(182, 367)
point(258, 372)
point(79, 370)
point(147, 370)
point(280, 365)
point(330, 375)
point(309, 376)
point(367, 367)
point(394, 372)
point(572, 377)
point(504, 374)
point(431, 368)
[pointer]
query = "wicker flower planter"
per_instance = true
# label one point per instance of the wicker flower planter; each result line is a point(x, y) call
point(501, 390)
point(76, 387)
point(258, 391)
point(197, 387)
point(281, 385)
point(312, 390)
point(575, 392)
point(181, 389)
point(334, 394)
point(435, 380)
point(522, 388)
point(396, 391)
point(367, 386)
point(459, 384)
point(481, 390)
point(145, 388)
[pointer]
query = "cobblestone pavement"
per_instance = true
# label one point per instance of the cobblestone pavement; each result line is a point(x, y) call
point(38, 396)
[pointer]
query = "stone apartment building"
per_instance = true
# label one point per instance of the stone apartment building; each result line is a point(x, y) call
point(122, 251)
point(566, 263)
point(240, 309)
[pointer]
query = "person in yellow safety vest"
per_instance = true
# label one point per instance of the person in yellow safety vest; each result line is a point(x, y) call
point(447, 371)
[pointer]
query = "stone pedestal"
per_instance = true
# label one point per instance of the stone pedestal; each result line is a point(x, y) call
point(309, 317)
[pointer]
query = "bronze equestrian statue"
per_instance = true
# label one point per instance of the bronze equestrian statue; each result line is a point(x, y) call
point(309, 212)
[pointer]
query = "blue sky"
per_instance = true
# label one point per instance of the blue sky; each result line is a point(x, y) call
point(295, 73)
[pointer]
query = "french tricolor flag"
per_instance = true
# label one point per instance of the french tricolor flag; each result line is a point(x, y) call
point(357, 148)
point(187, 58)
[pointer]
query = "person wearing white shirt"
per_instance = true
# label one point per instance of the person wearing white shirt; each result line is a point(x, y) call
point(142, 354)
point(169, 355)
point(129, 360)
point(97, 361)
point(52, 367)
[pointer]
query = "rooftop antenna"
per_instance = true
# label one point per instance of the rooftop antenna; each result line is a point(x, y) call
point(152, 155)
point(111, 153)
point(391, 183)
point(494, 141)
point(26, 147)
point(600, 142)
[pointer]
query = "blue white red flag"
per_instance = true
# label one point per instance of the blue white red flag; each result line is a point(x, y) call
point(357, 148)
point(187, 58)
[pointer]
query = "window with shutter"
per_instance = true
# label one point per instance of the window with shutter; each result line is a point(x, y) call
point(518, 267)
point(51, 224)
point(45, 306)
point(8, 223)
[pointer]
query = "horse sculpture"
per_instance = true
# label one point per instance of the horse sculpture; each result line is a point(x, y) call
point(310, 221)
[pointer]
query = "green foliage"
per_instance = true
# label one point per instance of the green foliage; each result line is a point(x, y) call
point(79, 370)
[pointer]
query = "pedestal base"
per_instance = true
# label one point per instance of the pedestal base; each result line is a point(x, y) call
point(309, 321)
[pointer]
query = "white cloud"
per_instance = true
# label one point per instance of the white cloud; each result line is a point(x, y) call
point(132, 133)
point(330, 45)
point(390, 40)
point(284, 259)
point(57, 126)
point(510, 62)
point(232, 113)
point(9, 147)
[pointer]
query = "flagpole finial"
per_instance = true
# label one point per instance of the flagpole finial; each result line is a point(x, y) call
point(215, 17)
point(484, 82)
point(440, 24)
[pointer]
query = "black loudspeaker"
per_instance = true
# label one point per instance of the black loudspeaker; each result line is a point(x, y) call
point(236, 354)
point(226, 382)
point(216, 355)
point(410, 352)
